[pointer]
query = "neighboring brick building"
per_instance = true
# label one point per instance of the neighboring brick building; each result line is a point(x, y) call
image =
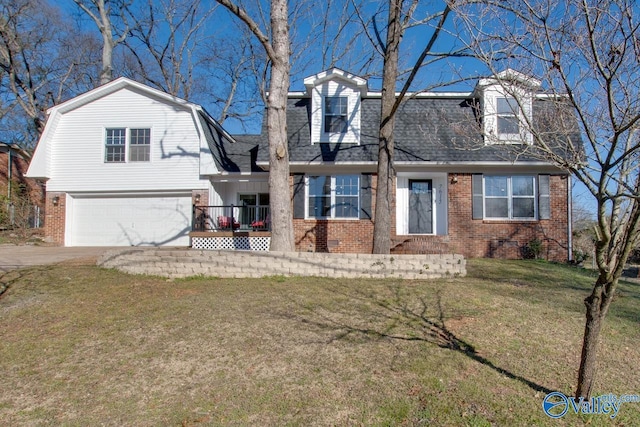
point(22, 198)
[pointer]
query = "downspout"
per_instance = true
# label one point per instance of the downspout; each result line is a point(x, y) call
point(569, 219)
point(9, 174)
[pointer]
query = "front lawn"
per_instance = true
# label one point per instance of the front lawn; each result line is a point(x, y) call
point(87, 346)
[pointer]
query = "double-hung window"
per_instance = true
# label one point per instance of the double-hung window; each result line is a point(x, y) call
point(333, 196)
point(510, 197)
point(508, 112)
point(115, 145)
point(140, 145)
point(132, 144)
point(335, 114)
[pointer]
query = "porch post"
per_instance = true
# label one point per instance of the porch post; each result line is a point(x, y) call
point(233, 221)
point(194, 226)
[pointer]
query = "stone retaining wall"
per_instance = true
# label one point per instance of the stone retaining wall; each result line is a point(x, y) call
point(177, 263)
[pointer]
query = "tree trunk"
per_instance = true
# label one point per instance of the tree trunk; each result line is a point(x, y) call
point(386, 169)
point(106, 72)
point(282, 236)
point(595, 313)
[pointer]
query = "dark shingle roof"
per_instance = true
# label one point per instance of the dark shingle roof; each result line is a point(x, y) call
point(238, 156)
point(436, 129)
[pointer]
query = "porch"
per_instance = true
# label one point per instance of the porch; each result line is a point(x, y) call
point(230, 227)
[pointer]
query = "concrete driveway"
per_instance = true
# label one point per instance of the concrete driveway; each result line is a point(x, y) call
point(13, 256)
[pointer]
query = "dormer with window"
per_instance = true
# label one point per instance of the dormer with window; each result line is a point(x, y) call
point(506, 105)
point(335, 106)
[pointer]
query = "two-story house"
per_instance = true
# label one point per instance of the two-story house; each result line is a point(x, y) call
point(124, 164)
point(464, 184)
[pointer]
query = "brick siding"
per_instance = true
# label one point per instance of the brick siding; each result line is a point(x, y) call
point(346, 236)
point(506, 239)
point(54, 219)
point(200, 197)
point(19, 167)
point(466, 236)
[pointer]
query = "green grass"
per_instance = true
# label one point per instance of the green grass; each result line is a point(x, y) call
point(87, 346)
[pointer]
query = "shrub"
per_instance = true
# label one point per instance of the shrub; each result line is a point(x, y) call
point(533, 250)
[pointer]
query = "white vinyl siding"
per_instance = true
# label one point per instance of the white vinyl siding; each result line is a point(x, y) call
point(77, 148)
point(226, 193)
point(335, 89)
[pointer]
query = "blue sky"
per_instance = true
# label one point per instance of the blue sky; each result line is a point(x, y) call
point(224, 26)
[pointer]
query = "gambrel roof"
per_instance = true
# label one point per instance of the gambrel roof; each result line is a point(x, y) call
point(209, 130)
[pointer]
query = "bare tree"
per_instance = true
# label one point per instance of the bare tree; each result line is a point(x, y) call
point(166, 37)
point(386, 171)
point(397, 23)
point(104, 13)
point(586, 52)
point(330, 34)
point(277, 49)
point(37, 66)
point(238, 76)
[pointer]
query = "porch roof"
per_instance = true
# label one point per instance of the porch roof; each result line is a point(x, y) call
point(240, 156)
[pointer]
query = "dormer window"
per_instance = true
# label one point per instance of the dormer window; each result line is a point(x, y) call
point(335, 114)
point(506, 101)
point(335, 102)
point(508, 113)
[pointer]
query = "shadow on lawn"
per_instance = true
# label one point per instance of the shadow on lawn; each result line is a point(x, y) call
point(384, 317)
point(9, 278)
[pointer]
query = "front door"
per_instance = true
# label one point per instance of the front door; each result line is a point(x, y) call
point(420, 207)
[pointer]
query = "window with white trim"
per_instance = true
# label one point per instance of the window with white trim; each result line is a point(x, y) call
point(510, 197)
point(140, 145)
point(333, 196)
point(132, 144)
point(335, 114)
point(508, 117)
point(115, 145)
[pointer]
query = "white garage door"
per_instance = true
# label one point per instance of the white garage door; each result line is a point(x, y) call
point(129, 221)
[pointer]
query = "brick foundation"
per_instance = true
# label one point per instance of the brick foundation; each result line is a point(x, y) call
point(346, 236)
